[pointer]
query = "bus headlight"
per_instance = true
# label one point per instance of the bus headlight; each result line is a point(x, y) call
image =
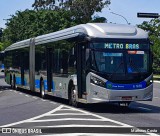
point(149, 81)
point(97, 81)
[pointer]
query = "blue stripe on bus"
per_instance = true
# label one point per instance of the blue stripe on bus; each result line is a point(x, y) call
point(115, 86)
point(37, 84)
point(19, 81)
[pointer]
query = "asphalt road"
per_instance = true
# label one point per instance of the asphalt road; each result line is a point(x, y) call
point(21, 109)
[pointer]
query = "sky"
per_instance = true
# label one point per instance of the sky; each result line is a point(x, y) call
point(126, 8)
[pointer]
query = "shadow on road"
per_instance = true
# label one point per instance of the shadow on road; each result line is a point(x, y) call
point(134, 107)
point(5, 87)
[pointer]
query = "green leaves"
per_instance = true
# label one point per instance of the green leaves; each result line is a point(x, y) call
point(51, 16)
point(31, 23)
point(153, 27)
point(81, 10)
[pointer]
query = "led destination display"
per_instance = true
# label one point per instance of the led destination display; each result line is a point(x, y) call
point(127, 46)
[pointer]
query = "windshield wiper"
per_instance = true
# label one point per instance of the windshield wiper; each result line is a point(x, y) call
point(116, 69)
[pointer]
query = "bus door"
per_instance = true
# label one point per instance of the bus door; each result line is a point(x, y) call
point(81, 73)
point(22, 66)
point(49, 68)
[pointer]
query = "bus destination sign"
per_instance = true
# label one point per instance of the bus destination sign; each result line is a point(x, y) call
point(122, 46)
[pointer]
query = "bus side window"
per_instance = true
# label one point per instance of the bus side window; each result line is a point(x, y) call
point(64, 62)
point(72, 62)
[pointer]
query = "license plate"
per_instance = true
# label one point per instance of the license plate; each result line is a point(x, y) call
point(127, 98)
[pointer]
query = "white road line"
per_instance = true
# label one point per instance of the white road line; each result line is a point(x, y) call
point(34, 119)
point(10, 90)
point(27, 120)
point(67, 109)
point(77, 125)
point(65, 119)
point(156, 81)
point(0, 91)
point(156, 97)
point(52, 102)
point(61, 114)
point(34, 97)
point(43, 100)
point(20, 93)
point(93, 134)
point(27, 95)
point(15, 91)
point(98, 116)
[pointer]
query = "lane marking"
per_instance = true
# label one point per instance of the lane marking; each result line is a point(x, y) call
point(98, 116)
point(67, 109)
point(61, 114)
point(43, 100)
point(156, 81)
point(20, 93)
point(95, 134)
point(72, 125)
point(27, 120)
point(77, 125)
point(65, 119)
point(52, 102)
point(156, 97)
point(34, 97)
point(27, 95)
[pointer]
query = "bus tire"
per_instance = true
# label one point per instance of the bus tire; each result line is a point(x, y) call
point(42, 90)
point(73, 97)
point(10, 80)
point(14, 83)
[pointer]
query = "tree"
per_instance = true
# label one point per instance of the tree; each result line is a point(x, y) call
point(153, 28)
point(51, 16)
point(1, 46)
point(30, 23)
point(1, 32)
point(82, 10)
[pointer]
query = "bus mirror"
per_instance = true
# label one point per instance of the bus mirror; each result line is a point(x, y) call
point(151, 43)
point(61, 70)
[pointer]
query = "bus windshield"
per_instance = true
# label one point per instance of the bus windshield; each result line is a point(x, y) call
point(114, 59)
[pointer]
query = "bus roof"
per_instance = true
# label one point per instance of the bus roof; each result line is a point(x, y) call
point(93, 30)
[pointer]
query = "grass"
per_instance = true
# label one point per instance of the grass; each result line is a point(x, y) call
point(156, 77)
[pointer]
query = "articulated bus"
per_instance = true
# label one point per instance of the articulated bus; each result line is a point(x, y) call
point(87, 63)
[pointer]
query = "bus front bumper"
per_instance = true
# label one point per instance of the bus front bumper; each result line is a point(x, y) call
point(99, 94)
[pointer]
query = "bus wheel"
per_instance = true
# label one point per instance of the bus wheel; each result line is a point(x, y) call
point(73, 97)
point(11, 82)
point(14, 83)
point(42, 90)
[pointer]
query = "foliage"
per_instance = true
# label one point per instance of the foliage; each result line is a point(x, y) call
point(50, 16)
point(153, 28)
point(30, 23)
point(1, 33)
point(1, 46)
point(82, 10)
